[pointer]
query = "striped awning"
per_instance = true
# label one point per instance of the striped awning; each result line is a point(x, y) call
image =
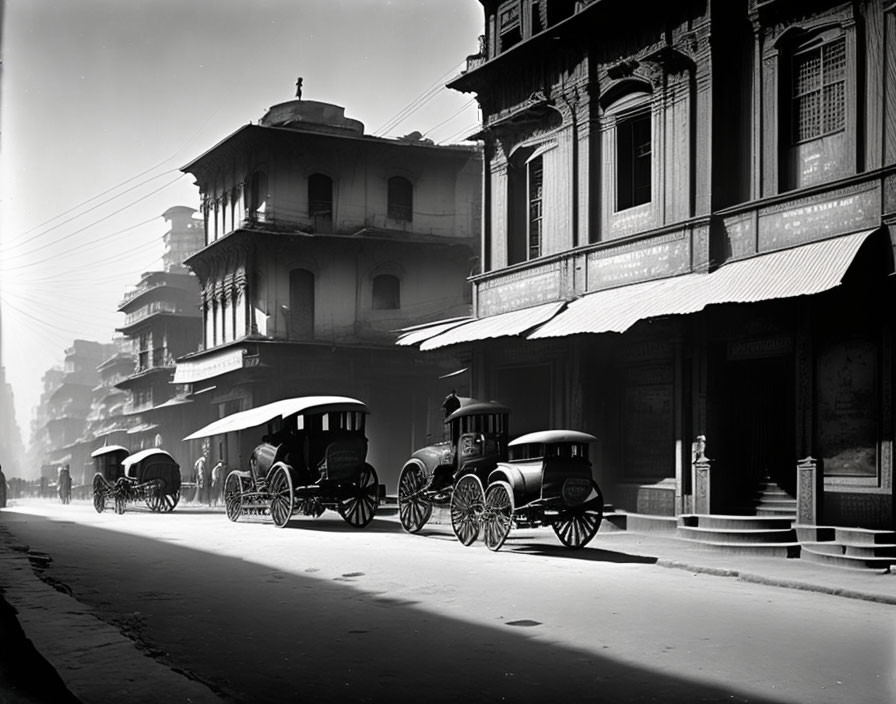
point(800, 271)
point(410, 337)
point(515, 322)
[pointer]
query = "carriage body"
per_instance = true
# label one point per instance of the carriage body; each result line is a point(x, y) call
point(547, 481)
point(313, 459)
point(151, 476)
point(476, 441)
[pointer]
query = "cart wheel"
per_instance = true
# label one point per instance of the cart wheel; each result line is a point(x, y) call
point(167, 502)
point(467, 501)
point(100, 489)
point(577, 526)
point(280, 486)
point(233, 496)
point(497, 519)
point(413, 509)
point(359, 509)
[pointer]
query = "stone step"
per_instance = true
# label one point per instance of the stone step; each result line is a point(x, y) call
point(644, 523)
point(866, 536)
point(817, 553)
point(777, 511)
point(736, 522)
point(806, 533)
point(754, 536)
point(785, 550)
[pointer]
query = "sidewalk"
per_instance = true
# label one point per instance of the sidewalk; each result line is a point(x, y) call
point(76, 657)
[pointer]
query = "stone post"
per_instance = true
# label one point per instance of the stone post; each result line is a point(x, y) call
point(808, 492)
point(700, 465)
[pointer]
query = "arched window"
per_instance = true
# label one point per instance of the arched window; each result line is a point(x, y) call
point(320, 202)
point(301, 305)
point(630, 112)
point(386, 292)
point(258, 195)
point(400, 199)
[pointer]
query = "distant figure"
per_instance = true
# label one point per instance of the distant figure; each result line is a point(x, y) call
point(2, 488)
point(205, 482)
point(198, 474)
point(217, 487)
point(299, 88)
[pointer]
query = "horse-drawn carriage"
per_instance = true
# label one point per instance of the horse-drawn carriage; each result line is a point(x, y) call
point(546, 482)
point(313, 458)
point(453, 472)
point(151, 476)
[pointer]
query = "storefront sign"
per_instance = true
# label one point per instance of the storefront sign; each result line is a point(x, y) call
point(666, 255)
point(194, 370)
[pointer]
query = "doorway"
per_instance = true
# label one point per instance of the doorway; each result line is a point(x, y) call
point(759, 431)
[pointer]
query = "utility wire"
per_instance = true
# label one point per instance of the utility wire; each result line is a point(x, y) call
point(403, 114)
point(106, 217)
point(452, 116)
point(109, 190)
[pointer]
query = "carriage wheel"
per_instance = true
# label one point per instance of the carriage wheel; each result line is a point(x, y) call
point(467, 501)
point(100, 489)
point(577, 526)
point(280, 486)
point(233, 496)
point(413, 509)
point(167, 502)
point(498, 516)
point(358, 510)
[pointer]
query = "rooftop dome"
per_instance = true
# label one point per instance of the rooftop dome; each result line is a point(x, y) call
point(311, 116)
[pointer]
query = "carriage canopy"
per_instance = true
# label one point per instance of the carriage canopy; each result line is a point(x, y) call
point(278, 409)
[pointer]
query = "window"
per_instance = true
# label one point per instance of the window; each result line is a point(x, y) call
point(819, 91)
point(633, 161)
point(400, 199)
point(525, 209)
point(386, 292)
point(320, 202)
point(301, 305)
point(509, 24)
point(535, 207)
point(258, 194)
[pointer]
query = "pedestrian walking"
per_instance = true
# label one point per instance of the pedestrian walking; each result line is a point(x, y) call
point(205, 482)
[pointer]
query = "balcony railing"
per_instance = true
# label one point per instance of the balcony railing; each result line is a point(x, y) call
point(153, 308)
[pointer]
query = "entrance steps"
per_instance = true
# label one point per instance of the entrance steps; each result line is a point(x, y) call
point(850, 548)
point(767, 536)
point(772, 500)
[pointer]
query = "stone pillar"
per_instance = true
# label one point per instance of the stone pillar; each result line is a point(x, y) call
point(809, 491)
point(700, 465)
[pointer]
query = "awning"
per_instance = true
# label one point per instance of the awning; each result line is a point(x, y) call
point(617, 309)
point(208, 366)
point(801, 271)
point(420, 333)
point(142, 428)
point(513, 323)
point(278, 409)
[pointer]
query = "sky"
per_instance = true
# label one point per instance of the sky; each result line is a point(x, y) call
point(104, 100)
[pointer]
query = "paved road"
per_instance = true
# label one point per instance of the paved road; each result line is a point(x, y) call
point(323, 612)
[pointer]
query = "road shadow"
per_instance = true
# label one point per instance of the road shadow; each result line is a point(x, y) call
point(254, 633)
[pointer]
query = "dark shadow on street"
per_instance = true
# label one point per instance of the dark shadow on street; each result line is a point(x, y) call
point(254, 633)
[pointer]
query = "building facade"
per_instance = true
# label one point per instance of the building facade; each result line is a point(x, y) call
point(321, 241)
point(163, 321)
point(688, 246)
point(60, 421)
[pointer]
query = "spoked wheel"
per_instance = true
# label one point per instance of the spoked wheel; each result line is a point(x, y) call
point(233, 496)
point(100, 489)
point(467, 501)
point(153, 496)
point(413, 509)
point(280, 486)
point(497, 519)
point(359, 509)
point(163, 503)
point(577, 526)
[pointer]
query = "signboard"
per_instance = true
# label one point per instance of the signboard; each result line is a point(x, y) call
point(807, 219)
point(662, 256)
point(194, 370)
point(519, 289)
